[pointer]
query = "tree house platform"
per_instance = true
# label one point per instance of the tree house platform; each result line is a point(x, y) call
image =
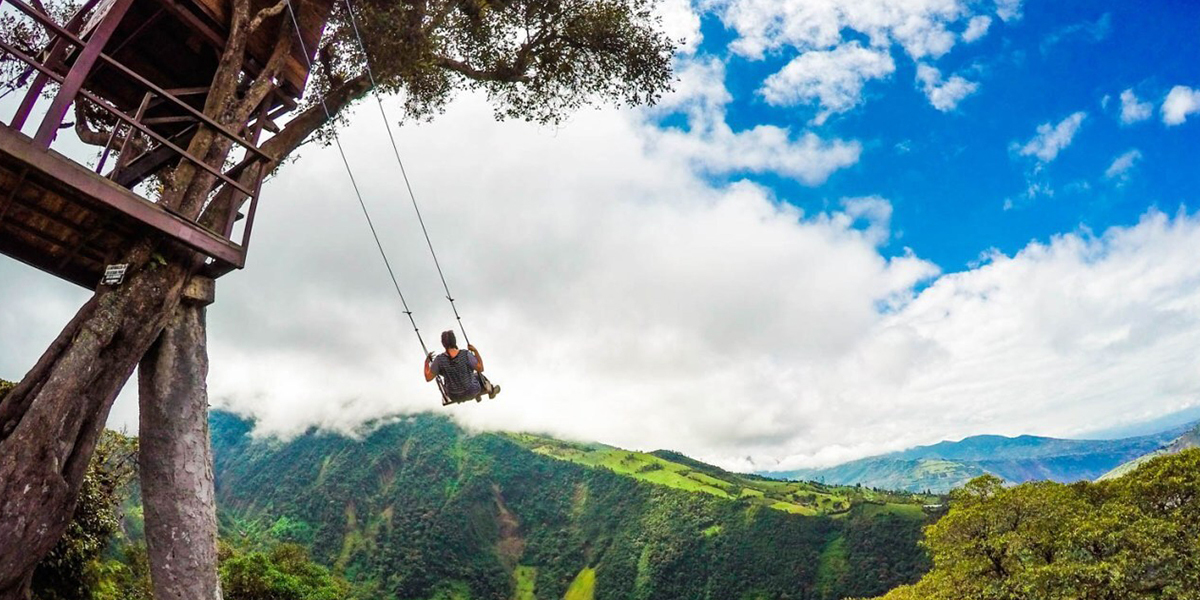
point(146, 66)
point(64, 219)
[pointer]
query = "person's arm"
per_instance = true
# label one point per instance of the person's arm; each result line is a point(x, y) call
point(429, 374)
point(478, 359)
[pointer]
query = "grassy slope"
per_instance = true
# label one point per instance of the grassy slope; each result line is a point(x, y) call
point(584, 586)
point(831, 566)
point(526, 588)
point(682, 473)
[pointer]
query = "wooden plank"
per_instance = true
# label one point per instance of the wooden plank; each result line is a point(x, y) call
point(79, 71)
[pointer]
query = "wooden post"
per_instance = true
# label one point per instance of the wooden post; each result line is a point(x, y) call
point(57, 49)
point(79, 72)
point(175, 456)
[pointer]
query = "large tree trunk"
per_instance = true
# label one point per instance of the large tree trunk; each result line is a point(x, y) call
point(50, 422)
point(175, 461)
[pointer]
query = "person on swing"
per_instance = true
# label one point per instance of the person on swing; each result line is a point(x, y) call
point(461, 372)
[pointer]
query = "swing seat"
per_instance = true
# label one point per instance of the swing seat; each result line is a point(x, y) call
point(447, 400)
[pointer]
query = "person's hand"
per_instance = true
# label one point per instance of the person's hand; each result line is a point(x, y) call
point(429, 358)
point(472, 348)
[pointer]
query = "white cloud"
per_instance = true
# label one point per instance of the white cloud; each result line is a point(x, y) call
point(1119, 169)
point(681, 22)
point(1181, 101)
point(918, 26)
point(944, 95)
point(977, 27)
point(710, 144)
point(1009, 10)
point(1134, 110)
point(1052, 139)
point(1055, 340)
point(832, 78)
point(866, 30)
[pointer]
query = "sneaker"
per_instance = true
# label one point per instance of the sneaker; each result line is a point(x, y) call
point(495, 391)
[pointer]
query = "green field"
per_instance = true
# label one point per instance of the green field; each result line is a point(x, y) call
point(682, 473)
point(831, 566)
point(583, 587)
point(526, 583)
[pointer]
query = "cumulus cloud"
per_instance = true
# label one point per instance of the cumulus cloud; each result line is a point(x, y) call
point(1134, 110)
point(1009, 10)
point(1121, 165)
point(1054, 339)
point(832, 78)
point(832, 29)
point(977, 27)
point(1180, 102)
point(1052, 139)
point(943, 94)
point(681, 23)
point(711, 145)
point(921, 28)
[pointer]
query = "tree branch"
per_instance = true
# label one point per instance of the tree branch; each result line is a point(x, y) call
point(511, 75)
point(325, 57)
point(265, 82)
point(85, 132)
point(266, 13)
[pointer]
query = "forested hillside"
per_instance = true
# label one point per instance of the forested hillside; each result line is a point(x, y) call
point(419, 509)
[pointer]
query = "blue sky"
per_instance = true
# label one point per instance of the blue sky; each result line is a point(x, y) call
point(778, 267)
point(949, 175)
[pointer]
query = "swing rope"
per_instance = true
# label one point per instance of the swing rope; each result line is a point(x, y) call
point(396, 152)
point(346, 163)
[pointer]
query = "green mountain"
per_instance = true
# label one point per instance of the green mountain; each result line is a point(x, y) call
point(1189, 439)
point(419, 509)
point(947, 465)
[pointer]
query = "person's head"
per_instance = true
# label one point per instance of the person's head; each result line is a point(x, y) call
point(448, 340)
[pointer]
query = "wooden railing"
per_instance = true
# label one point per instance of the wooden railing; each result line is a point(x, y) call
point(128, 171)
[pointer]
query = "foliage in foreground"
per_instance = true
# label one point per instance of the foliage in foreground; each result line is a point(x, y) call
point(1133, 538)
point(284, 572)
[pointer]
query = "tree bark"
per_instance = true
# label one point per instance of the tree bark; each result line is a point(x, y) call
point(175, 461)
point(50, 422)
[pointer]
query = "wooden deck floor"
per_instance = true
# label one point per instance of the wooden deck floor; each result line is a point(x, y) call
point(64, 219)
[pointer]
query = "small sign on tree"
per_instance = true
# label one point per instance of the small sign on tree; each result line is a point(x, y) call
point(114, 274)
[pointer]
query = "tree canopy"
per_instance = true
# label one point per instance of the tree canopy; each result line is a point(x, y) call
point(1136, 537)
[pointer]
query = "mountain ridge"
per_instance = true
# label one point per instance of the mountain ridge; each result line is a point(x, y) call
point(945, 465)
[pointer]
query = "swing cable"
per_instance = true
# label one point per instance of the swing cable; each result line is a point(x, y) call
point(337, 142)
point(396, 151)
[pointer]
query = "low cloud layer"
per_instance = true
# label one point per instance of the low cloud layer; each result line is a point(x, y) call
point(619, 296)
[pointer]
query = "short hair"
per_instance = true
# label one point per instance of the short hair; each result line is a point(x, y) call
point(448, 340)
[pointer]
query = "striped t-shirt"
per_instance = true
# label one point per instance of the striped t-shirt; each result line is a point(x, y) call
point(458, 374)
